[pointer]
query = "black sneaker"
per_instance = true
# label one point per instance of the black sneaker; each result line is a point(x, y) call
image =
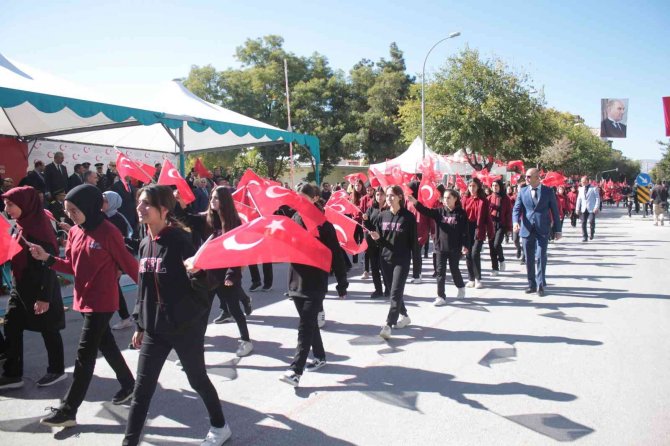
point(224, 317)
point(50, 378)
point(10, 382)
point(254, 287)
point(246, 303)
point(376, 295)
point(316, 364)
point(267, 288)
point(59, 418)
point(123, 395)
point(290, 378)
point(387, 293)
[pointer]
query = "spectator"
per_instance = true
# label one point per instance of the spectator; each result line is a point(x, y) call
point(35, 178)
point(77, 177)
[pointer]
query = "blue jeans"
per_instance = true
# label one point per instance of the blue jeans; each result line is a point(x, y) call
point(535, 247)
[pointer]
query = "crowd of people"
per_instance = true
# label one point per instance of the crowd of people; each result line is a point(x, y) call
point(149, 233)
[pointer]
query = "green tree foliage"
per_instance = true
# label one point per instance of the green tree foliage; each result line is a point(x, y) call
point(661, 171)
point(481, 106)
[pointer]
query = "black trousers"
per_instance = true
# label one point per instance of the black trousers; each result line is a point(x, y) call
point(155, 349)
point(496, 249)
point(230, 300)
point(441, 259)
point(123, 306)
point(267, 274)
point(474, 259)
point(417, 261)
point(374, 254)
point(95, 335)
point(517, 244)
point(358, 236)
point(573, 219)
point(309, 334)
point(14, 328)
point(590, 218)
point(395, 276)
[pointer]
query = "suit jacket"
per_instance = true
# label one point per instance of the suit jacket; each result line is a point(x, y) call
point(608, 130)
point(535, 217)
point(55, 180)
point(74, 180)
point(35, 180)
point(588, 200)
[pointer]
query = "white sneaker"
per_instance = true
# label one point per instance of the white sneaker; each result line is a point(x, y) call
point(478, 284)
point(365, 275)
point(244, 348)
point(417, 280)
point(501, 266)
point(386, 332)
point(461, 293)
point(494, 273)
point(321, 319)
point(217, 436)
point(470, 284)
point(440, 302)
point(403, 322)
point(123, 324)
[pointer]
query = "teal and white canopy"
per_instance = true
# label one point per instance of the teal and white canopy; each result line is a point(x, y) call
point(36, 105)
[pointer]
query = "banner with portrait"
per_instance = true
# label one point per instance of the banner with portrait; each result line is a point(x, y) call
point(614, 117)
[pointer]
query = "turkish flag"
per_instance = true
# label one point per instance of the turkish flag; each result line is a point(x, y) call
point(515, 179)
point(374, 182)
point(427, 169)
point(666, 113)
point(460, 183)
point(127, 167)
point(269, 198)
point(428, 193)
point(201, 170)
point(553, 179)
point(345, 228)
point(381, 178)
point(343, 206)
point(271, 239)
point(251, 178)
point(171, 177)
point(339, 194)
point(354, 177)
point(9, 246)
point(516, 165)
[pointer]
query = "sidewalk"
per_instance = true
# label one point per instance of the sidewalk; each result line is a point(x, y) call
point(588, 362)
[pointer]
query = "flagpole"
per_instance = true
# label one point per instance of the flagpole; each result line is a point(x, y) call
point(288, 112)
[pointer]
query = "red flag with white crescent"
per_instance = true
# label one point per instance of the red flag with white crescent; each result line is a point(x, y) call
point(343, 206)
point(428, 193)
point(271, 239)
point(9, 246)
point(171, 177)
point(128, 167)
point(201, 170)
point(345, 228)
point(460, 183)
point(354, 177)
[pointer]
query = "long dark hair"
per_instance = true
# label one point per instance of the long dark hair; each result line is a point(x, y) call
point(480, 189)
point(355, 195)
point(454, 193)
point(226, 212)
point(398, 192)
point(162, 196)
point(375, 203)
point(502, 191)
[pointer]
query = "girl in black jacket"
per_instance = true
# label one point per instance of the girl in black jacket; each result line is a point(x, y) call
point(396, 235)
point(373, 252)
point(451, 241)
point(171, 313)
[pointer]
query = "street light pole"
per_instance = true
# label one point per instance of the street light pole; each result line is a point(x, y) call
point(423, 81)
point(616, 169)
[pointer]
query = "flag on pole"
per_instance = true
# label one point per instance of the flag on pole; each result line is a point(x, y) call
point(171, 177)
point(201, 170)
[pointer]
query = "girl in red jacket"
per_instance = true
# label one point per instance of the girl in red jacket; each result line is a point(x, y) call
point(500, 211)
point(94, 253)
point(476, 207)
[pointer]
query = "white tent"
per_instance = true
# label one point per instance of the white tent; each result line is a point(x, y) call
point(36, 105)
point(410, 160)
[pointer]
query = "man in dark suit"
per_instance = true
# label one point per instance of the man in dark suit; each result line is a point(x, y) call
point(55, 174)
point(531, 218)
point(612, 127)
point(35, 178)
point(76, 178)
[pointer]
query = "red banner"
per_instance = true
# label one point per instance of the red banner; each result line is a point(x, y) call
point(666, 113)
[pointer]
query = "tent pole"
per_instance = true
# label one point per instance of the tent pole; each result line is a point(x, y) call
point(288, 113)
point(182, 160)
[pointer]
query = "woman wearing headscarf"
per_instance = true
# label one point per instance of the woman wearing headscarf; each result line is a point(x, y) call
point(35, 303)
point(94, 254)
point(111, 202)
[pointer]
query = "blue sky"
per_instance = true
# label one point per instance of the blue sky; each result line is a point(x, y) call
point(578, 51)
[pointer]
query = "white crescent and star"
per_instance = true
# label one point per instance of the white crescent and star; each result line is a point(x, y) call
point(231, 244)
point(339, 229)
point(337, 207)
point(172, 173)
point(276, 225)
point(270, 192)
point(430, 189)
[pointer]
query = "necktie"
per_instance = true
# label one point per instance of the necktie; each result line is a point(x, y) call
point(534, 194)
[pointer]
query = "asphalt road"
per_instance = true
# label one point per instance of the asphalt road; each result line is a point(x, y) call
point(588, 363)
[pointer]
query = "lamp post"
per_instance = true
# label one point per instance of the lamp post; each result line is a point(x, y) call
point(423, 81)
point(616, 169)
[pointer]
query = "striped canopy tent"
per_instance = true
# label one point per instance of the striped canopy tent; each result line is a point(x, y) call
point(36, 105)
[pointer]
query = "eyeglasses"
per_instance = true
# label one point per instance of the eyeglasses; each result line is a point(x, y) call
point(529, 176)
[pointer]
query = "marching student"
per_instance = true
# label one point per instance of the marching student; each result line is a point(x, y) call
point(171, 314)
point(451, 241)
point(94, 253)
point(373, 253)
point(476, 206)
point(395, 233)
point(35, 302)
point(500, 224)
point(307, 287)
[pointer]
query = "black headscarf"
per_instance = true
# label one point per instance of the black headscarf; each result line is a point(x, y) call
point(88, 199)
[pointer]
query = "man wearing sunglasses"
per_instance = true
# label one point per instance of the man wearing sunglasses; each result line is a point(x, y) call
point(531, 218)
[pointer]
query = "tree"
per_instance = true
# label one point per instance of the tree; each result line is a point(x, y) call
point(481, 106)
point(661, 171)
